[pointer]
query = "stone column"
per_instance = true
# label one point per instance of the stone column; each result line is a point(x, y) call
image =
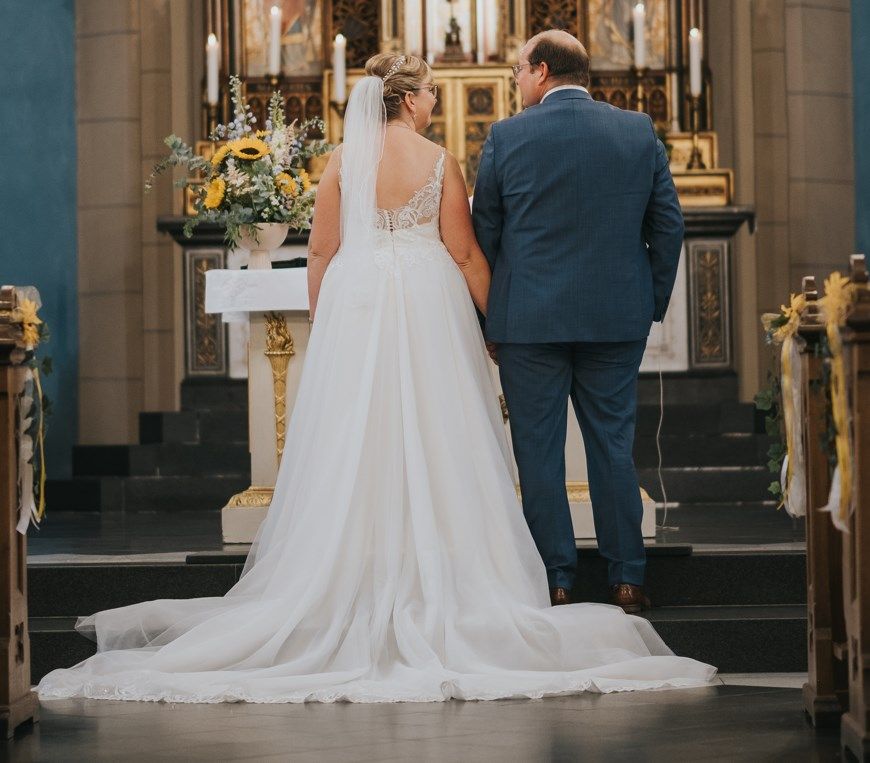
point(111, 344)
point(135, 66)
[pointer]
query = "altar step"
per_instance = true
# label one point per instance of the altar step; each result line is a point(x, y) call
point(157, 493)
point(744, 612)
point(713, 450)
point(162, 459)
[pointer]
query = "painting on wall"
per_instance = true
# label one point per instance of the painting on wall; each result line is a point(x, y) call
point(610, 31)
point(301, 36)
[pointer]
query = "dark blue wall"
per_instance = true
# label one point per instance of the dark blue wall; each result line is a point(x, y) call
point(38, 189)
point(861, 80)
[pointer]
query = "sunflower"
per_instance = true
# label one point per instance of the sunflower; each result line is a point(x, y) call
point(263, 133)
point(286, 184)
point(248, 148)
point(220, 155)
point(305, 180)
point(215, 195)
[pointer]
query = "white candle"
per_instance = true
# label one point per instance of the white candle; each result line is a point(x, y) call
point(275, 41)
point(480, 32)
point(212, 56)
point(639, 14)
point(339, 68)
point(695, 45)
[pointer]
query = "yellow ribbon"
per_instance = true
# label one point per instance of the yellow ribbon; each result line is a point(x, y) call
point(40, 436)
point(785, 334)
point(839, 294)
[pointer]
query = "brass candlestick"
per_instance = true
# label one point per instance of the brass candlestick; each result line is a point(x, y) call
point(695, 160)
point(273, 81)
point(339, 107)
point(640, 90)
point(212, 112)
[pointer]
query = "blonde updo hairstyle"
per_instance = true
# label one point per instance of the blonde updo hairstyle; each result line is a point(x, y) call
point(409, 76)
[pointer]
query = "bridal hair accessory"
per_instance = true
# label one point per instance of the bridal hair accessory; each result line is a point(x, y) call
point(394, 68)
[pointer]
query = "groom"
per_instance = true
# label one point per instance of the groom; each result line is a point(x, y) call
point(576, 211)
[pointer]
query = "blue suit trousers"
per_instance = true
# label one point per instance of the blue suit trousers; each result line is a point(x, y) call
point(601, 380)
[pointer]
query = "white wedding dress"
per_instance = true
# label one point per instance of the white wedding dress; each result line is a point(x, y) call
point(395, 563)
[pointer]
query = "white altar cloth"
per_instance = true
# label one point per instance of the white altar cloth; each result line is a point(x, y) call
point(235, 293)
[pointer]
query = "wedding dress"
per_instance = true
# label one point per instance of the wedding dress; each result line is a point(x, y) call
point(394, 563)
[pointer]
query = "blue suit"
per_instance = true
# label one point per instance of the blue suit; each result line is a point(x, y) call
point(576, 211)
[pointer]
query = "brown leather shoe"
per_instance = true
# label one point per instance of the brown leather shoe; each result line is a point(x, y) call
point(630, 597)
point(560, 596)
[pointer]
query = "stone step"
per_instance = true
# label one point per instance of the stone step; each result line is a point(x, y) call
point(214, 395)
point(713, 484)
point(675, 577)
point(194, 426)
point(729, 449)
point(156, 493)
point(768, 639)
point(734, 639)
point(699, 419)
point(193, 459)
point(688, 387)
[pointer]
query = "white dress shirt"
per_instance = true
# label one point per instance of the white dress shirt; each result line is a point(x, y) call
point(563, 87)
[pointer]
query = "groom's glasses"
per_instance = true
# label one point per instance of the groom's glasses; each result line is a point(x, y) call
point(433, 88)
point(517, 68)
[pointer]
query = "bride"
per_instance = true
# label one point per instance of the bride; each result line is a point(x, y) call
point(394, 563)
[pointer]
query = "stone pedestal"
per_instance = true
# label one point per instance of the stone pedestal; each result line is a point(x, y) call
point(274, 304)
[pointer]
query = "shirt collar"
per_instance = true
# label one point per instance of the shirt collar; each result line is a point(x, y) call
point(563, 87)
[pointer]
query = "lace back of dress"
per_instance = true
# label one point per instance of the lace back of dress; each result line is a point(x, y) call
point(422, 208)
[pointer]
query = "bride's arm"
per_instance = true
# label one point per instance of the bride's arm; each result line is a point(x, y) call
point(325, 237)
point(457, 234)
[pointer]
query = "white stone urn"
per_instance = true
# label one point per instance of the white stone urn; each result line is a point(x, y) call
point(261, 240)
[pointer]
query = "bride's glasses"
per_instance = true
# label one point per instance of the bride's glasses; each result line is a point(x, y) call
point(433, 88)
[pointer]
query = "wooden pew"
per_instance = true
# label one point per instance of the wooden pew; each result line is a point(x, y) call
point(826, 690)
point(855, 724)
point(18, 704)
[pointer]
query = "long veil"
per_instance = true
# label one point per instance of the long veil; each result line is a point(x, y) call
point(365, 123)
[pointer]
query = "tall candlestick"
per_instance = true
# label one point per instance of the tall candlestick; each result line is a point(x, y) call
point(275, 41)
point(480, 32)
point(639, 14)
point(339, 68)
point(212, 56)
point(695, 45)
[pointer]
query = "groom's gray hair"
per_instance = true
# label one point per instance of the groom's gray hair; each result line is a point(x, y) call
point(565, 55)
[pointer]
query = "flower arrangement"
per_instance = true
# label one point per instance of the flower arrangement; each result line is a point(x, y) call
point(256, 176)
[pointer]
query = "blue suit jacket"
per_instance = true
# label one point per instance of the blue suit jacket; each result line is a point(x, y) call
point(576, 211)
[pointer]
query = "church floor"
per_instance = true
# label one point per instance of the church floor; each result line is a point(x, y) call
point(730, 721)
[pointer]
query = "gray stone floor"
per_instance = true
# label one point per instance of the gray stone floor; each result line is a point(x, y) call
point(728, 722)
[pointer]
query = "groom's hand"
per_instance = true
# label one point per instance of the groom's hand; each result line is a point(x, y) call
point(492, 349)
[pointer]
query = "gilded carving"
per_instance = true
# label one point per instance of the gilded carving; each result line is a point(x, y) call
point(279, 350)
point(359, 22)
point(252, 498)
point(708, 264)
point(205, 332)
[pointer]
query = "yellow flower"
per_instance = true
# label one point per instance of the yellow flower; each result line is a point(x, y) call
point(215, 195)
point(26, 314)
point(286, 184)
point(305, 180)
point(248, 148)
point(263, 133)
point(220, 155)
